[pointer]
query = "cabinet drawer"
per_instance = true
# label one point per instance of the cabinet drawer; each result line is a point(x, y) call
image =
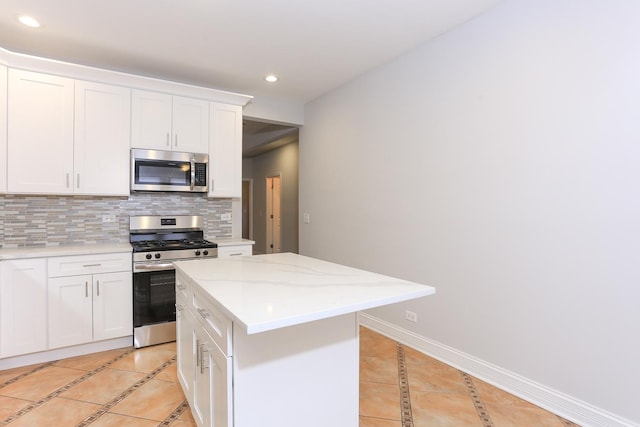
point(240, 250)
point(217, 325)
point(183, 287)
point(88, 264)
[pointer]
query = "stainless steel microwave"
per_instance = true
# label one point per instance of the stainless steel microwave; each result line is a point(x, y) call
point(156, 170)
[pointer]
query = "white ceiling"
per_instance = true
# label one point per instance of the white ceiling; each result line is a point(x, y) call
point(314, 46)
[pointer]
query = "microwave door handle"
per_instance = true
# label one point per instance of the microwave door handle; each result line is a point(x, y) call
point(193, 172)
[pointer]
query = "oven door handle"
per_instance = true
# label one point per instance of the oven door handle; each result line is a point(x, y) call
point(153, 267)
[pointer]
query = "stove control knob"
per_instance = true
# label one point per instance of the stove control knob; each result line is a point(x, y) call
point(148, 256)
point(205, 252)
point(197, 253)
point(157, 255)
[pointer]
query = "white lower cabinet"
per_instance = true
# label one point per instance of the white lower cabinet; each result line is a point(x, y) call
point(70, 311)
point(23, 306)
point(212, 384)
point(89, 308)
point(94, 306)
point(235, 250)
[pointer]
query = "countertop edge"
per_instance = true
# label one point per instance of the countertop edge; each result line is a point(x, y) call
point(229, 241)
point(55, 251)
point(298, 320)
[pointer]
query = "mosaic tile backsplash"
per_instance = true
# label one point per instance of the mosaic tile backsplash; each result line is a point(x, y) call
point(27, 220)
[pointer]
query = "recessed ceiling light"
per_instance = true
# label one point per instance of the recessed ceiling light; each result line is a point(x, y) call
point(29, 21)
point(271, 78)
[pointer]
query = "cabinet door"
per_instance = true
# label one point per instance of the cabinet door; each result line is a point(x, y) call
point(185, 348)
point(101, 140)
point(151, 120)
point(202, 398)
point(23, 306)
point(3, 128)
point(225, 150)
point(112, 305)
point(212, 385)
point(70, 306)
point(190, 125)
point(219, 371)
point(40, 133)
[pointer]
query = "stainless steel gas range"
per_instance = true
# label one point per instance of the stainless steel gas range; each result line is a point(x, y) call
point(157, 241)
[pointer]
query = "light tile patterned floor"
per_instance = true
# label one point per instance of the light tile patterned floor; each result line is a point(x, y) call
point(399, 387)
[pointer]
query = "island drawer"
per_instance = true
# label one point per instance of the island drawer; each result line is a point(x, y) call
point(183, 287)
point(217, 325)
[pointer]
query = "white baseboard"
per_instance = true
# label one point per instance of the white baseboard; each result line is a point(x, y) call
point(63, 353)
point(552, 400)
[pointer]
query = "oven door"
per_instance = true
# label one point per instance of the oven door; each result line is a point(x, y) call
point(154, 294)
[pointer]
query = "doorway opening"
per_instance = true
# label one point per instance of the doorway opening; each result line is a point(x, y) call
point(247, 209)
point(274, 225)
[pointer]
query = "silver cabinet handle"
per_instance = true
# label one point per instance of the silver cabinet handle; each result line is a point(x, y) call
point(91, 265)
point(212, 185)
point(198, 360)
point(67, 180)
point(168, 140)
point(202, 352)
point(176, 140)
point(97, 288)
point(86, 289)
point(78, 181)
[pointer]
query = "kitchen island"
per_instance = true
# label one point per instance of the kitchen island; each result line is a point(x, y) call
point(272, 340)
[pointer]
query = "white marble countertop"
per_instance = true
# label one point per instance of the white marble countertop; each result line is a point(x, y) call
point(51, 251)
point(267, 292)
point(232, 241)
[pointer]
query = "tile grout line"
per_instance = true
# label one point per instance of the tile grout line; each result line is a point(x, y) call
point(57, 392)
point(120, 397)
point(26, 374)
point(405, 399)
point(481, 409)
point(175, 414)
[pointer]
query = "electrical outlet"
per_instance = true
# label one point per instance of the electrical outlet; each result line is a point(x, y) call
point(411, 316)
point(108, 218)
point(306, 218)
point(225, 217)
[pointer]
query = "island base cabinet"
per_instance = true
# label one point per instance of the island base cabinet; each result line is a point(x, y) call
point(306, 374)
point(204, 371)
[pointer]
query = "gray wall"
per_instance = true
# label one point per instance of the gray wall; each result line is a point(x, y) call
point(284, 161)
point(499, 163)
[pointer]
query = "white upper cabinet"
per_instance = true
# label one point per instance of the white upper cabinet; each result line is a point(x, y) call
point(40, 133)
point(190, 125)
point(51, 151)
point(165, 122)
point(3, 129)
point(225, 150)
point(151, 120)
point(102, 139)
